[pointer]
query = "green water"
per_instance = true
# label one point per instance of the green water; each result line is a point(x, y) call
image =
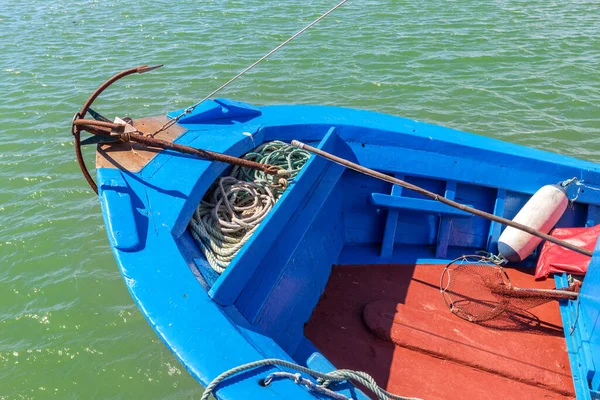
point(522, 71)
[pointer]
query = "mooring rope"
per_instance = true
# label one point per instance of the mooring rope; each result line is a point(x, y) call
point(236, 204)
point(579, 183)
point(323, 379)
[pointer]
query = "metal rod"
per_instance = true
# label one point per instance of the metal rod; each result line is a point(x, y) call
point(546, 291)
point(441, 199)
point(112, 126)
point(205, 154)
point(223, 86)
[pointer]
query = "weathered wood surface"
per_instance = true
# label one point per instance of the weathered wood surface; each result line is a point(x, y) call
point(132, 156)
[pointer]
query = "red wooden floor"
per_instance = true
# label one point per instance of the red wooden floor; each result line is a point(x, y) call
point(391, 321)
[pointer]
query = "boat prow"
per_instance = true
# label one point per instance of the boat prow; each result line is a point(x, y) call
point(355, 258)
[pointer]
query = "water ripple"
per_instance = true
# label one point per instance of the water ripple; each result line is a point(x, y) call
point(525, 72)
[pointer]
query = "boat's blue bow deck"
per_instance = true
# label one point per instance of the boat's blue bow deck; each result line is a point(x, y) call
point(258, 307)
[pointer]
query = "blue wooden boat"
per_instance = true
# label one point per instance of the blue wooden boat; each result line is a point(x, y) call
point(360, 240)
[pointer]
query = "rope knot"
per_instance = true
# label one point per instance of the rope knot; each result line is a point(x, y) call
point(324, 382)
point(267, 381)
point(566, 183)
point(298, 378)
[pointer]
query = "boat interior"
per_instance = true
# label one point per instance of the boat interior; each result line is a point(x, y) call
point(379, 309)
point(345, 270)
point(391, 321)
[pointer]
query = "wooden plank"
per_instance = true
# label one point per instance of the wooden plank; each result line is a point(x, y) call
point(132, 156)
point(362, 222)
point(118, 210)
point(283, 316)
point(591, 215)
point(443, 336)
point(231, 283)
point(413, 204)
point(443, 237)
point(284, 250)
point(474, 171)
point(495, 227)
point(389, 233)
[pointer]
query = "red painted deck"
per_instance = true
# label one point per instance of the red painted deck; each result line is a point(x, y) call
point(391, 321)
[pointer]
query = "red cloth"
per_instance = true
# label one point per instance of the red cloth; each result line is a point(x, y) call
point(554, 258)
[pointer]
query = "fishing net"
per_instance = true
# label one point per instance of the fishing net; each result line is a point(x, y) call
point(477, 289)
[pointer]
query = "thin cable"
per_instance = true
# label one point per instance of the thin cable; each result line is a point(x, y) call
point(223, 86)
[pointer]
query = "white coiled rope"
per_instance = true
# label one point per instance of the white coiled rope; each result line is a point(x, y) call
point(236, 204)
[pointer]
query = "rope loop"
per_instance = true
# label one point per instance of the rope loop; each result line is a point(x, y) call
point(74, 128)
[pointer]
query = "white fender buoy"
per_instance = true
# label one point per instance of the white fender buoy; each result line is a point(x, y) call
point(541, 213)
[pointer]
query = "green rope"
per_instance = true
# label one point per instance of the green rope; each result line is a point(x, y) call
point(323, 379)
point(236, 204)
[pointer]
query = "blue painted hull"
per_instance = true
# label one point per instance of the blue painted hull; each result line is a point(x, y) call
point(258, 307)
